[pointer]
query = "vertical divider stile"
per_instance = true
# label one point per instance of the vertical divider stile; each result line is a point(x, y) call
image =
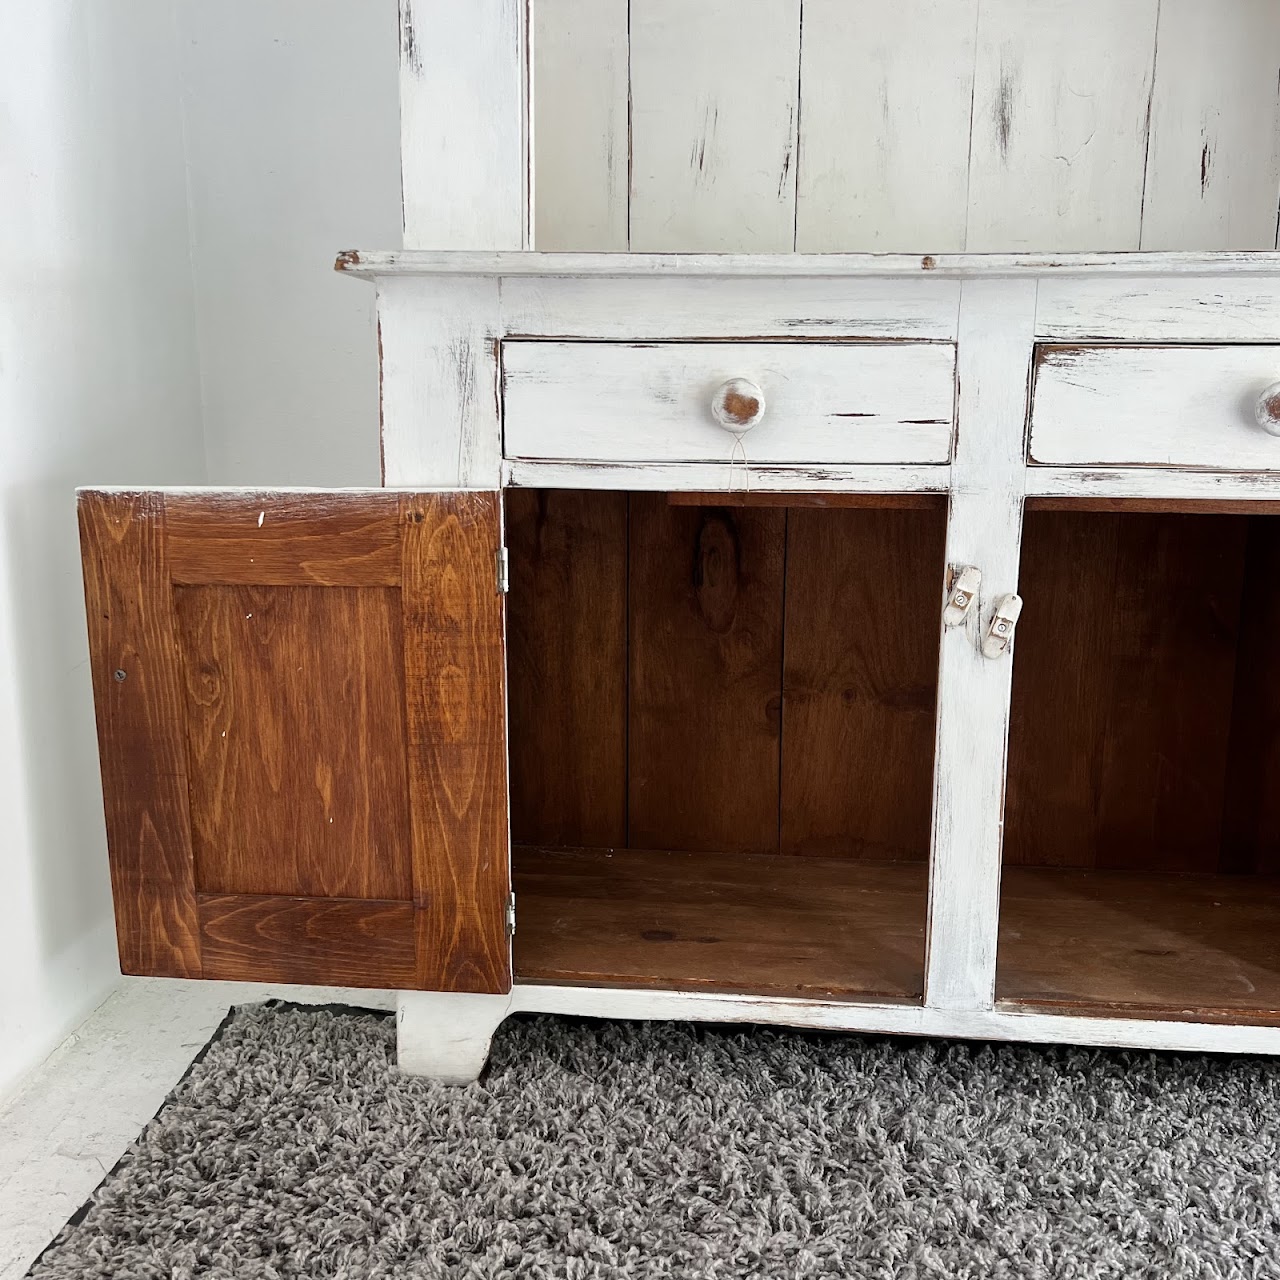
point(984, 529)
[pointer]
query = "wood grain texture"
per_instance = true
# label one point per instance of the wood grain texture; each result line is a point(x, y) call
point(861, 501)
point(580, 123)
point(334, 941)
point(567, 666)
point(1127, 649)
point(1059, 134)
point(455, 683)
point(705, 676)
point(295, 715)
point(282, 539)
point(1173, 406)
point(137, 689)
point(342, 746)
point(825, 401)
point(720, 922)
point(1213, 163)
point(1127, 942)
point(1251, 815)
point(884, 124)
point(714, 97)
point(860, 682)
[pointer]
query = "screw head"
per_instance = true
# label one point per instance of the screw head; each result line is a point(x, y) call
point(121, 675)
point(961, 599)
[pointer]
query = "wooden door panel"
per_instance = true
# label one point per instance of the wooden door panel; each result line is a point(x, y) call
point(301, 715)
point(313, 750)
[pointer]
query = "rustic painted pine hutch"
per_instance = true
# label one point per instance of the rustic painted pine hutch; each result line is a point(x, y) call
point(871, 642)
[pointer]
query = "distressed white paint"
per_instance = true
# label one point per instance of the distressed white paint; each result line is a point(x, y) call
point(463, 130)
point(984, 528)
point(440, 423)
point(791, 266)
point(1060, 98)
point(1213, 164)
point(1190, 406)
point(713, 124)
point(448, 1038)
point(884, 124)
point(580, 124)
point(827, 402)
point(446, 1034)
point(1152, 482)
point(664, 306)
point(705, 477)
point(1171, 308)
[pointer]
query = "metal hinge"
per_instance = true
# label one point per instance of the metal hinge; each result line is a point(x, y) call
point(1000, 631)
point(504, 571)
point(965, 581)
point(511, 914)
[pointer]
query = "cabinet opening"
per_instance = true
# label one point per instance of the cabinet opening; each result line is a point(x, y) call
point(721, 740)
point(1142, 825)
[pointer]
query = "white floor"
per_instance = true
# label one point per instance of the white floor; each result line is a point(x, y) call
point(72, 1120)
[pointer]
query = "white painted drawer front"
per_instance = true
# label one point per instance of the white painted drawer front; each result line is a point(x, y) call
point(1169, 406)
point(825, 402)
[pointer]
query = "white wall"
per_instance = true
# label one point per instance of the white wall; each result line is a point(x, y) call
point(98, 383)
point(293, 150)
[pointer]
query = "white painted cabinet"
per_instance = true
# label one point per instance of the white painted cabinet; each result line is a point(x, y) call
point(1100, 855)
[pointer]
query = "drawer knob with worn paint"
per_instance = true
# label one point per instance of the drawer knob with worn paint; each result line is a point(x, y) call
point(1267, 409)
point(738, 405)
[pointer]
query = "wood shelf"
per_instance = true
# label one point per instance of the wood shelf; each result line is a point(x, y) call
point(1205, 947)
point(1139, 944)
point(761, 924)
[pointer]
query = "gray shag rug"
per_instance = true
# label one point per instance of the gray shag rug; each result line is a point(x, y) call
point(293, 1148)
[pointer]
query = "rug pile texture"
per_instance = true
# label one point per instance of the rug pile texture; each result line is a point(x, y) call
point(293, 1148)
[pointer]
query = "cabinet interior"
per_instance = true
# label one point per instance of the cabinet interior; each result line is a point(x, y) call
point(721, 739)
point(1142, 836)
point(721, 747)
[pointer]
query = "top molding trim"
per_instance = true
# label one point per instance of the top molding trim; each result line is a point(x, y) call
point(428, 262)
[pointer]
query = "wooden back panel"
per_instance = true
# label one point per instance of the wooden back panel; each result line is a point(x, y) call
point(301, 723)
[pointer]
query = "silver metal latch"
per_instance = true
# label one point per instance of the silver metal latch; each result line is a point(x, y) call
point(504, 571)
point(511, 914)
point(1000, 631)
point(965, 581)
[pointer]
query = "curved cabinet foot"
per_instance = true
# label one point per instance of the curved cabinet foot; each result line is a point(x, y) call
point(446, 1034)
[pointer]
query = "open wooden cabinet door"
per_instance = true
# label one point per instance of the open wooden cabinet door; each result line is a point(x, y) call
point(301, 718)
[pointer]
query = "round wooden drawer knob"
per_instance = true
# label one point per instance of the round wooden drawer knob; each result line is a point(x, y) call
point(1267, 410)
point(738, 405)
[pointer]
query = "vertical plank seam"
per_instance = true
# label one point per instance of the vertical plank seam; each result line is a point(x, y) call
point(630, 184)
point(782, 665)
point(626, 663)
point(1146, 150)
point(795, 201)
point(524, 34)
point(968, 174)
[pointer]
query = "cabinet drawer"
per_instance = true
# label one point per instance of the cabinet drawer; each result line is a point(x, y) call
point(1168, 406)
point(823, 402)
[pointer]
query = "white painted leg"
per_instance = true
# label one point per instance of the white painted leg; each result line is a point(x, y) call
point(446, 1034)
